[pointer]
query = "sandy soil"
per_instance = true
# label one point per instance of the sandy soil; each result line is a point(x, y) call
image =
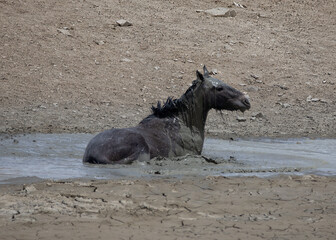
point(65, 66)
point(96, 75)
point(209, 208)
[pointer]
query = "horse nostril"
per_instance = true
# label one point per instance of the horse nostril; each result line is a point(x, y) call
point(247, 102)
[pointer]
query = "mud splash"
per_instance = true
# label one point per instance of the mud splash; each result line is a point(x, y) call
point(29, 158)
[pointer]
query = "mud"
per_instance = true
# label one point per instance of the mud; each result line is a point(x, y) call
point(59, 156)
point(205, 208)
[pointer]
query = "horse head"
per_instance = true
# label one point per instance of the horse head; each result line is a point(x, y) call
point(220, 95)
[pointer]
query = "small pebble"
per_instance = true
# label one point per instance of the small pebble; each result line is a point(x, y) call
point(124, 23)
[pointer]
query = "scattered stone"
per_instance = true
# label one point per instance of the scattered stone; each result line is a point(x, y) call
point(124, 23)
point(311, 99)
point(29, 189)
point(126, 60)
point(285, 105)
point(99, 42)
point(239, 5)
point(307, 177)
point(15, 141)
point(199, 10)
point(259, 15)
point(65, 31)
point(221, 12)
point(255, 76)
point(280, 86)
point(241, 119)
point(258, 115)
point(213, 71)
point(227, 47)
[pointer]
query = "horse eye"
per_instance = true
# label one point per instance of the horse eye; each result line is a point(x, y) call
point(220, 88)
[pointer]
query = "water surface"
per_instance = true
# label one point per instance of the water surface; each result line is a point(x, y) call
point(59, 156)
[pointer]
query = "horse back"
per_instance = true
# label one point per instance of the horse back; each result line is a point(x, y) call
point(118, 146)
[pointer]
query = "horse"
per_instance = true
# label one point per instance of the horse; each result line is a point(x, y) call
point(175, 128)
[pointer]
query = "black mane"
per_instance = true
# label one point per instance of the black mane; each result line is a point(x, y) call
point(173, 106)
point(169, 109)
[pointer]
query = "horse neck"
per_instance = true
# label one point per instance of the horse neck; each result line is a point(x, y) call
point(195, 111)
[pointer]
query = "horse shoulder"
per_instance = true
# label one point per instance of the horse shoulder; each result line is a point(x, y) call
point(157, 137)
point(191, 140)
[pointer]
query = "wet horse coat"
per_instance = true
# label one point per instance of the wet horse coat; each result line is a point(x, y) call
point(174, 129)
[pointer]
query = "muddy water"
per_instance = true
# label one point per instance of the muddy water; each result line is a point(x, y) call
point(59, 156)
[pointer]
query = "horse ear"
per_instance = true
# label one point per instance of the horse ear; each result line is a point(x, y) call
point(199, 76)
point(206, 72)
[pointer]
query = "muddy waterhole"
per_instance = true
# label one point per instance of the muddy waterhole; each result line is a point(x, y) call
point(32, 157)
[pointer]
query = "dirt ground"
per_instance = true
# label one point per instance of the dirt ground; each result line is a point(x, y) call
point(66, 66)
point(207, 208)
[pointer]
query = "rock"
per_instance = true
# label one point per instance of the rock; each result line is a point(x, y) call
point(227, 47)
point(124, 23)
point(307, 177)
point(99, 42)
point(239, 5)
point(213, 71)
point(9, 212)
point(311, 99)
point(281, 86)
point(65, 31)
point(285, 105)
point(241, 119)
point(258, 115)
point(126, 60)
point(221, 12)
point(255, 76)
point(29, 189)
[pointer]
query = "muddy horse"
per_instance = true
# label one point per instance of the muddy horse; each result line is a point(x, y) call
point(175, 128)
